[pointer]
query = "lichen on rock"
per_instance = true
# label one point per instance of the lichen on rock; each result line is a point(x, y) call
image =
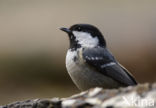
point(142, 96)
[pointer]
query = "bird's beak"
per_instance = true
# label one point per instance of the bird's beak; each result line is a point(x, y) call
point(66, 30)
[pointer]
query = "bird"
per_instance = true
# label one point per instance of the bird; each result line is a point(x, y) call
point(89, 62)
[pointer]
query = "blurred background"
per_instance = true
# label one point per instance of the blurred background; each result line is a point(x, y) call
point(33, 49)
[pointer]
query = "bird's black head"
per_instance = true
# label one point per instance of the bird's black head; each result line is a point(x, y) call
point(84, 35)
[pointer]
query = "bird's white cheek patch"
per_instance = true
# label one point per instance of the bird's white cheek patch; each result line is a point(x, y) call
point(85, 39)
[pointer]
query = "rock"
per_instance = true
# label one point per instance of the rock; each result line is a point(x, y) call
point(142, 96)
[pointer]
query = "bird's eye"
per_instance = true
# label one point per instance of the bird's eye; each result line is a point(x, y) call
point(79, 29)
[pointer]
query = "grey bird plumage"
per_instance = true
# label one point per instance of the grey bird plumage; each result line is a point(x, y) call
point(89, 62)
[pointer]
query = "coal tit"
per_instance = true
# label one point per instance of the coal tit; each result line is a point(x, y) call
point(89, 62)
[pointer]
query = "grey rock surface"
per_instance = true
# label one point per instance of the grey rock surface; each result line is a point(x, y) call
point(140, 96)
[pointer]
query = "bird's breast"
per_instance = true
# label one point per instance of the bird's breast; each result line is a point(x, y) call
point(73, 64)
point(76, 67)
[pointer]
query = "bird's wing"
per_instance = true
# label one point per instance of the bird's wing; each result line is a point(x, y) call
point(103, 61)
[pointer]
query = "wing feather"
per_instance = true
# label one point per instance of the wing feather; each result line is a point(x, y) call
point(103, 61)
